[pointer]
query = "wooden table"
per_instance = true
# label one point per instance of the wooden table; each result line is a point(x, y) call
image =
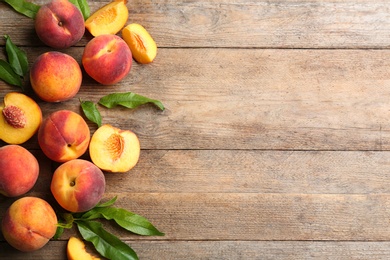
point(276, 135)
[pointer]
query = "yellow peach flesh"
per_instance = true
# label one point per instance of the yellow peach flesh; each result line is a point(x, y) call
point(109, 19)
point(32, 114)
point(113, 149)
point(141, 44)
point(76, 250)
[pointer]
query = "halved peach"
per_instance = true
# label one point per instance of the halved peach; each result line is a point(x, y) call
point(76, 250)
point(140, 42)
point(109, 19)
point(114, 150)
point(20, 118)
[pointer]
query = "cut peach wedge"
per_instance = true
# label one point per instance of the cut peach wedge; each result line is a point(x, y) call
point(20, 118)
point(141, 44)
point(109, 19)
point(76, 250)
point(114, 150)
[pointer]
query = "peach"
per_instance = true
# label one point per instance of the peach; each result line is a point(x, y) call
point(59, 24)
point(76, 250)
point(113, 149)
point(109, 19)
point(78, 185)
point(55, 76)
point(19, 170)
point(107, 59)
point(29, 223)
point(64, 135)
point(142, 45)
point(20, 118)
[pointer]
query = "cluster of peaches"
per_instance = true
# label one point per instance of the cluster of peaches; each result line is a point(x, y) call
point(64, 136)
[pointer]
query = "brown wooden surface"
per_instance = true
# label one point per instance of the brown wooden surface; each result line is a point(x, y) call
point(275, 141)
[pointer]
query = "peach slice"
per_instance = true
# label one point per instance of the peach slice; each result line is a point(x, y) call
point(113, 149)
point(109, 19)
point(141, 44)
point(76, 250)
point(20, 118)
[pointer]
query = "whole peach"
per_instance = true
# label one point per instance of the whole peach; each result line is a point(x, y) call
point(19, 170)
point(64, 135)
point(59, 24)
point(55, 76)
point(78, 185)
point(29, 223)
point(107, 59)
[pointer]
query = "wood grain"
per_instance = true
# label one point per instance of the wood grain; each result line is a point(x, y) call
point(266, 99)
point(267, 250)
point(274, 143)
point(244, 23)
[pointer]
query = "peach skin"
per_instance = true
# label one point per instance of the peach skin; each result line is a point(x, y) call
point(59, 24)
point(29, 223)
point(55, 76)
point(107, 59)
point(19, 170)
point(78, 185)
point(64, 135)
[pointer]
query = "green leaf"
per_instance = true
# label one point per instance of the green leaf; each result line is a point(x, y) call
point(59, 232)
point(107, 203)
point(8, 75)
point(23, 7)
point(127, 220)
point(83, 6)
point(17, 58)
point(107, 244)
point(91, 112)
point(127, 99)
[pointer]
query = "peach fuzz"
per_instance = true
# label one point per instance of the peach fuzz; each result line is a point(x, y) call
point(29, 223)
point(19, 170)
point(113, 149)
point(20, 118)
point(64, 135)
point(107, 59)
point(55, 76)
point(59, 24)
point(78, 185)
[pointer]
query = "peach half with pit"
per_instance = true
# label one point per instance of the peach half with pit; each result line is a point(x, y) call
point(78, 185)
point(20, 118)
point(76, 250)
point(19, 170)
point(59, 24)
point(29, 223)
point(107, 59)
point(64, 135)
point(55, 76)
point(113, 149)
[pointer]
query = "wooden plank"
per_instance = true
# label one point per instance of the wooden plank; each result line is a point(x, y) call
point(291, 99)
point(236, 171)
point(253, 216)
point(219, 250)
point(243, 24)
